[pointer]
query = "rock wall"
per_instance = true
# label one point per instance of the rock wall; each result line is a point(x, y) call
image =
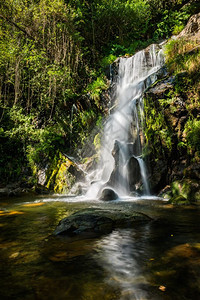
point(172, 131)
point(169, 158)
point(191, 30)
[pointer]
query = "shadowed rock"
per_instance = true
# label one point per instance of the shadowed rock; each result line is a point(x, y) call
point(108, 195)
point(133, 172)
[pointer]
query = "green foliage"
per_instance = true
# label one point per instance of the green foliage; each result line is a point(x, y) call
point(183, 58)
point(192, 132)
point(184, 191)
point(24, 145)
point(95, 89)
point(177, 29)
point(87, 117)
point(172, 23)
point(108, 60)
point(52, 54)
point(138, 45)
point(158, 132)
point(99, 122)
point(182, 55)
point(119, 20)
point(118, 50)
point(82, 125)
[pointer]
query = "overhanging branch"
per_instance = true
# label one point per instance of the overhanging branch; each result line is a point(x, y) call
point(16, 25)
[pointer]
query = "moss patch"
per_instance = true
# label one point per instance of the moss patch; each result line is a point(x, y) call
point(60, 179)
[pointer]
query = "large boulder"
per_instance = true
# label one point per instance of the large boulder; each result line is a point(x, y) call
point(108, 194)
point(98, 221)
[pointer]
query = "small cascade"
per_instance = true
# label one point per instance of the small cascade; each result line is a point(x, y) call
point(73, 110)
point(121, 165)
point(144, 175)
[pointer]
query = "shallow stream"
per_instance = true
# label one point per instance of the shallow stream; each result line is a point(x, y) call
point(158, 260)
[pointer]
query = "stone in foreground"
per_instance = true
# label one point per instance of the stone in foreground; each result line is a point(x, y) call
point(98, 221)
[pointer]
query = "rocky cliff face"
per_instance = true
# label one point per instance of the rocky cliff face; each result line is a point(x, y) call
point(192, 29)
point(173, 120)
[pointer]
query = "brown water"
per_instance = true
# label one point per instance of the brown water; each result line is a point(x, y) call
point(158, 260)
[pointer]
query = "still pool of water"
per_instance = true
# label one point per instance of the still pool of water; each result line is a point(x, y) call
point(158, 260)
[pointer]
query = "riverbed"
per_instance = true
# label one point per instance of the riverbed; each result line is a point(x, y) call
point(156, 260)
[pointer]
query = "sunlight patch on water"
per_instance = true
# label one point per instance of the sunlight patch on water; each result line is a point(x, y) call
point(33, 204)
point(119, 255)
point(9, 213)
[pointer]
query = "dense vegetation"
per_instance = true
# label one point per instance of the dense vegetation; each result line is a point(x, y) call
point(53, 60)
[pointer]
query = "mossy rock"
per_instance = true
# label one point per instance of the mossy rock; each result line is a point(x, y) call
point(186, 188)
point(64, 179)
point(61, 179)
point(179, 200)
point(97, 142)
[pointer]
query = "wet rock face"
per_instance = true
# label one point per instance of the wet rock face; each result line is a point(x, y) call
point(166, 119)
point(133, 168)
point(134, 173)
point(98, 221)
point(160, 89)
point(158, 175)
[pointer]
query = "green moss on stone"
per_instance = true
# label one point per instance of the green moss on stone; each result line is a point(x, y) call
point(64, 180)
point(60, 179)
point(179, 200)
point(97, 142)
point(188, 189)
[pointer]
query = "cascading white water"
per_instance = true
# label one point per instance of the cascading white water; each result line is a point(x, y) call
point(123, 137)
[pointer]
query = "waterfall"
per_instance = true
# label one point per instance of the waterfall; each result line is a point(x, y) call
point(121, 165)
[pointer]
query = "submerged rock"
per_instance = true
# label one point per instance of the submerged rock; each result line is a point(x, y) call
point(98, 221)
point(108, 195)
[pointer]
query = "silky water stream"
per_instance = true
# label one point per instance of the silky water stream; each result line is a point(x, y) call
point(121, 164)
point(155, 260)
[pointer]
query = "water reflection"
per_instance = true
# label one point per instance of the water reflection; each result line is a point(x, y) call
point(156, 261)
point(120, 255)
